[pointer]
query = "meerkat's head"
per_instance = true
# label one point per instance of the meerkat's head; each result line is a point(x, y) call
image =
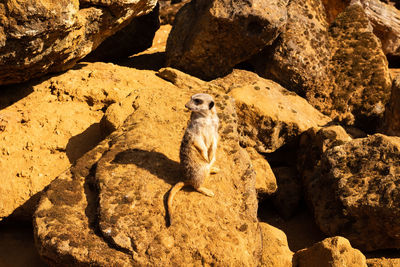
point(202, 104)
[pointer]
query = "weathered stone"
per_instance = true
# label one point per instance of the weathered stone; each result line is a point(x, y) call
point(392, 113)
point(287, 198)
point(269, 115)
point(39, 36)
point(362, 78)
point(341, 70)
point(127, 178)
point(276, 250)
point(334, 8)
point(331, 252)
point(265, 178)
point(66, 229)
point(383, 262)
point(313, 143)
point(43, 133)
point(299, 59)
point(210, 37)
point(385, 19)
point(169, 9)
point(354, 192)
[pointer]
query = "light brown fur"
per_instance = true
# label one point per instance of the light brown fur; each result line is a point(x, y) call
point(198, 146)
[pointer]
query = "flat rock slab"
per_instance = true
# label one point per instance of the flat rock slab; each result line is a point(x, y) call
point(355, 192)
point(110, 208)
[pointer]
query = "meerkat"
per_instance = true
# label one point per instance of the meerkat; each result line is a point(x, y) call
point(198, 147)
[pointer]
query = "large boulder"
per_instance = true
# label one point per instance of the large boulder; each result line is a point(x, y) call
point(385, 19)
point(299, 59)
point(359, 66)
point(355, 192)
point(41, 36)
point(269, 115)
point(340, 69)
point(109, 209)
point(210, 37)
point(330, 252)
point(275, 250)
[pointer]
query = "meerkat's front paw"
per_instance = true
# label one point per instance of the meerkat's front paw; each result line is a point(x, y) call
point(214, 170)
point(205, 191)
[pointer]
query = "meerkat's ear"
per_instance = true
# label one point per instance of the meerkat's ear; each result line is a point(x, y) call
point(211, 105)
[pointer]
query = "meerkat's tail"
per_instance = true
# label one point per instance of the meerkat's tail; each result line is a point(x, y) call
point(171, 196)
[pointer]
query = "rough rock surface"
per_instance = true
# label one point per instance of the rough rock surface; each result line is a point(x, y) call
point(276, 250)
point(383, 262)
point(313, 143)
point(354, 192)
point(333, 252)
point(334, 8)
point(127, 178)
point(210, 37)
point(385, 19)
point(169, 9)
point(269, 115)
point(362, 78)
point(341, 70)
point(392, 112)
point(37, 37)
point(299, 59)
point(265, 178)
point(56, 123)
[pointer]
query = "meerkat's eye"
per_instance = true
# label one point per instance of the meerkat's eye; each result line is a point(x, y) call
point(198, 101)
point(211, 105)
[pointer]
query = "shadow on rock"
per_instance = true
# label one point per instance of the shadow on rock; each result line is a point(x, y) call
point(156, 163)
point(154, 61)
point(83, 142)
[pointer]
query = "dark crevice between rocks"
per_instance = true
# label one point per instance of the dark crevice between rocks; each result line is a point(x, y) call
point(394, 61)
point(92, 192)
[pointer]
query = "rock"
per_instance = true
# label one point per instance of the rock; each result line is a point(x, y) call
point(313, 143)
point(269, 115)
point(334, 8)
point(109, 209)
point(299, 59)
point(361, 71)
point(383, 262)
point(392, 113)
point(354, 192)
point(265, 178)
point(385, 19)
point(169, 9)
point(276, 250)
point(341, 70)
point(210, 37)
point(136, 37)
point(56, 122)
point(117, 113)
point(288, 196)
point(37, 37)
point(334, 252)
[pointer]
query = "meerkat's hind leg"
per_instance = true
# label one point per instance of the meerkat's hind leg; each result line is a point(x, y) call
point(205, 191)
